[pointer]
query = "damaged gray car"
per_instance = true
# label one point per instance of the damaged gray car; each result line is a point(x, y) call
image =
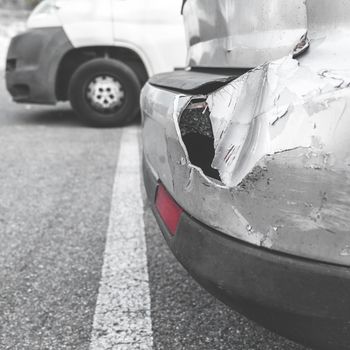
point(247, 161)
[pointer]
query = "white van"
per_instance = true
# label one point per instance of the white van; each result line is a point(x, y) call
point(95, 53)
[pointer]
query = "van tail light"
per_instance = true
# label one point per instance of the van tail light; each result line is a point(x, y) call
point(168, 209)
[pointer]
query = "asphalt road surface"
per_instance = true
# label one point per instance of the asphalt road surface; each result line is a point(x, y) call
point(82, 262)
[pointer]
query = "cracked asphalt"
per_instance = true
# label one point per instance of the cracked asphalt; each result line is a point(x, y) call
point(56, 184)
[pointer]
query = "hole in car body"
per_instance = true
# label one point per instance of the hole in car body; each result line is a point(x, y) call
point(197, 135)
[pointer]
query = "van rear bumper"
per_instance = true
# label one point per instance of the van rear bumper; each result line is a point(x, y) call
point(32, 62)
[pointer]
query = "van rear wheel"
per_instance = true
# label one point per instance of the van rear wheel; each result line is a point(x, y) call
point(105, 92)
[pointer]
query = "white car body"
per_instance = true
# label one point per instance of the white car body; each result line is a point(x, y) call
point(62, 36)
point(152, 29)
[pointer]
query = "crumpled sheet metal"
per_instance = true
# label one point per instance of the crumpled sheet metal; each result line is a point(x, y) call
point(277, 107)
point(282, 147)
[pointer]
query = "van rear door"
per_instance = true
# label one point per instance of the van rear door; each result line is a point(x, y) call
point(153, 29)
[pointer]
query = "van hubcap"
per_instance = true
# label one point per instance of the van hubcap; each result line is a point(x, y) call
point(105, 94)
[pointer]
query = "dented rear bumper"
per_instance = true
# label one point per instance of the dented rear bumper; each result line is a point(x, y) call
point(301, 299)
point(266, 195)
point(32, 63)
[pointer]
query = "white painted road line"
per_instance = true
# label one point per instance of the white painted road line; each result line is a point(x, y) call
point(123, 311)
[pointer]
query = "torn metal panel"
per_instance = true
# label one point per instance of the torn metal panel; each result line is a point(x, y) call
point(280, 143)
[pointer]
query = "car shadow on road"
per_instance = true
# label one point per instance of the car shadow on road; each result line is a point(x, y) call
point(55, 116)
point(60, 116)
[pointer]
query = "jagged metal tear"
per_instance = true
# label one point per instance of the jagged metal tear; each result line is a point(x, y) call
point(284, 104)
point(279, 106)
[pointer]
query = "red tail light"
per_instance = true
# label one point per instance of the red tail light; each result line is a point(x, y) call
point(168, 209)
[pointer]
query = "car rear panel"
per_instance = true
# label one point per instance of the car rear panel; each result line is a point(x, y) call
point(260, 161)
point(290, 202)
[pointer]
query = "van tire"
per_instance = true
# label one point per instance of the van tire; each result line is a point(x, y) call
point(118, 102)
